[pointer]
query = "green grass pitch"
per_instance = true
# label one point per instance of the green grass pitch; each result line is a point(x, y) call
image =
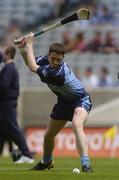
point(104, 169)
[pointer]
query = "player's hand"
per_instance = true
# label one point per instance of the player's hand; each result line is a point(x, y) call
point(29, 38)
point(22, 42)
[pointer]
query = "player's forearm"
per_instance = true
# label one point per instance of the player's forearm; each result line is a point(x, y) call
point(24, 55)
point(31, 58)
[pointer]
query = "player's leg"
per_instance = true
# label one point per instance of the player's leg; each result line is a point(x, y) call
point(79, 118)
point(53, 127)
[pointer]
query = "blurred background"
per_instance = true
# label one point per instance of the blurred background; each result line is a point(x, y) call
point(92, 51)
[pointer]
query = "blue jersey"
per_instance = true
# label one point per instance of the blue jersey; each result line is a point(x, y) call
point(61, 80)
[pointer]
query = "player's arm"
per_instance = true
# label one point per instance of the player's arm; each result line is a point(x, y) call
point(24, 55)
point(22, 49)
point(30, 53)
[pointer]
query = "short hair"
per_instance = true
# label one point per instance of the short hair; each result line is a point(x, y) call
point(11, 50)
point(57, 48)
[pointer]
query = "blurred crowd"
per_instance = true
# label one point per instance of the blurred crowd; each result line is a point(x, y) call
point(100, 41)
point(92, 80)
point(46, 11)
point(103, 43)
point(102, 15)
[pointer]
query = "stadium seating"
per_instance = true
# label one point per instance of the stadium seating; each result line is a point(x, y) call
point(81, 61)
point(10, 9)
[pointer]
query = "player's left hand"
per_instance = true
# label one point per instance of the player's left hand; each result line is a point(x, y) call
point(29, 38)
point(22, 42)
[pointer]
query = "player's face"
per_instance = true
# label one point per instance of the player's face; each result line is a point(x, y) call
point(55, 59)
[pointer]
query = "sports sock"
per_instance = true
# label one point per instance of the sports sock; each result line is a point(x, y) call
point(47, 159)
point(85, 160)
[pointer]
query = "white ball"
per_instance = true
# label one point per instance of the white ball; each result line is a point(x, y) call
point(76, 170)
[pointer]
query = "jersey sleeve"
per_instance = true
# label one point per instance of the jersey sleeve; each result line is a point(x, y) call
point(41, 60)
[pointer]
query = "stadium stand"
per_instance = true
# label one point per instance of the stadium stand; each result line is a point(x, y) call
point(28, 16)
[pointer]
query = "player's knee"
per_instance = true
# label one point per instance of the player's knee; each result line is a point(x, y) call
point(80, 112)
point(80, 116)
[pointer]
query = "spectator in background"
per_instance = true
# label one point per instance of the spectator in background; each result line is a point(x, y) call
point(12, 33)
point(105, 79)
point(95, 14)
point(9, 92)
point(71, 43)
point(106, 17)
point(65, 38)
point(96, 43)
point(109, 45)
point(81, 44)
point(77, 43)
point(89, 79)
point(4, 138)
